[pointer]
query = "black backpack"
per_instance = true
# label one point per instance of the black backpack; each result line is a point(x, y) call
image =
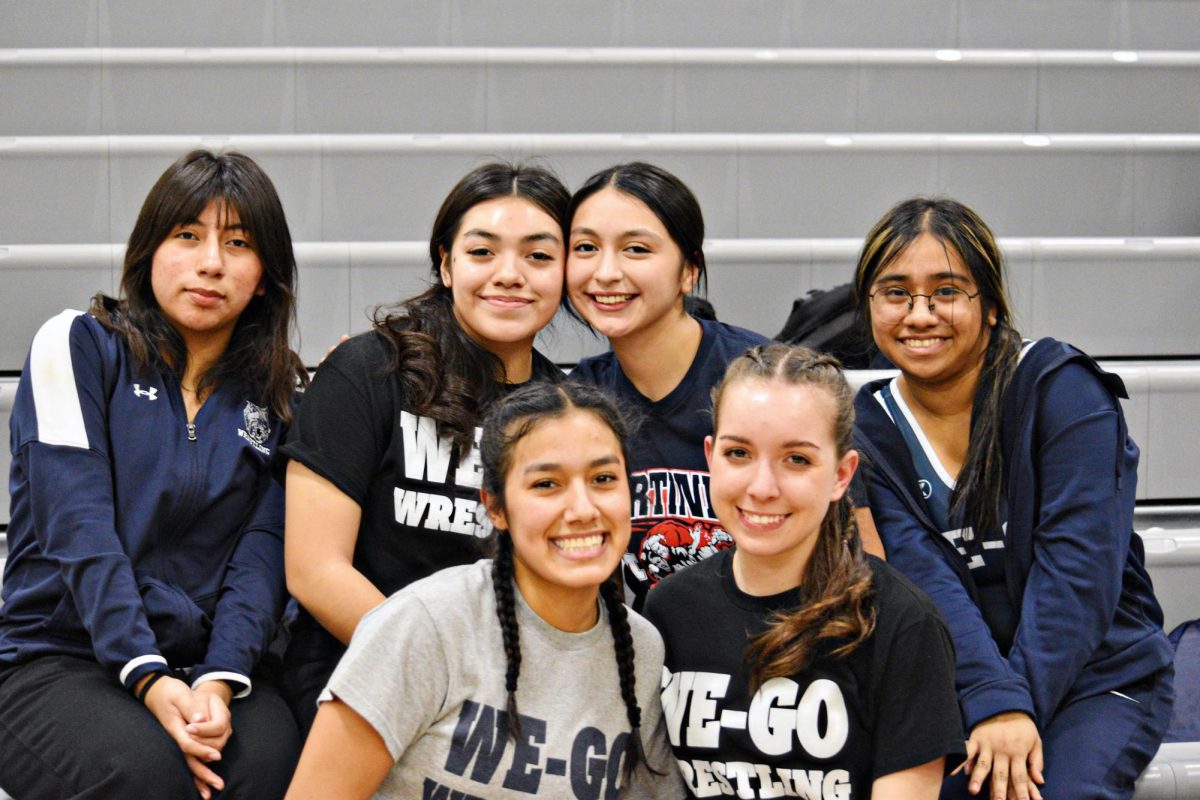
point(826, 320)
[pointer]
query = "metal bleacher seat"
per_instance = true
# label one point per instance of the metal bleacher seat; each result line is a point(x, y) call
point(1073, 127)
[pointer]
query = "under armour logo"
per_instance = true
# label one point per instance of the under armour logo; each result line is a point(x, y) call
point(152, 392)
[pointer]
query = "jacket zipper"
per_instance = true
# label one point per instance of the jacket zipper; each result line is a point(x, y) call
point(191, 429)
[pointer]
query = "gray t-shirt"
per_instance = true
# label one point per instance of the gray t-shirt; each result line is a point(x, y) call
point(426, 670)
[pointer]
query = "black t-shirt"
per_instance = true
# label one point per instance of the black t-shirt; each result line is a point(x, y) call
point(828, 732)
point(673, 521)
point(419, 495)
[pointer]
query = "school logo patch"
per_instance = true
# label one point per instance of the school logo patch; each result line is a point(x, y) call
point(257, 426)
point(672, 544)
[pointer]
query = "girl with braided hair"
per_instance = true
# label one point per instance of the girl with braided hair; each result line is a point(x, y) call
point(516, 676)
point(796, 665)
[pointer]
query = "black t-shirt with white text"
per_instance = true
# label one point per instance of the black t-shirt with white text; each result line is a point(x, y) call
point(828, 732)
point(419, 495)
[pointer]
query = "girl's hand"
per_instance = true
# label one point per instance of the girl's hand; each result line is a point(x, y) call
point(174, 705)
point(215, 726)
point(1009, 747)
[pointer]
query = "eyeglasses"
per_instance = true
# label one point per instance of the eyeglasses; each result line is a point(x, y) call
point(893, 303)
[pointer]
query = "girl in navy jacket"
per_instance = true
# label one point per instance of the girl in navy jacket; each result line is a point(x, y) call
point(145, 569)
point(636, 252)
point(1002, 482)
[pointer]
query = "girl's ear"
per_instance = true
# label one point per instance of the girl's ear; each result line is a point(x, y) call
point(444, 269)
point(691, 274)
point(495, 514)
point(708, 446)
point(845, 473)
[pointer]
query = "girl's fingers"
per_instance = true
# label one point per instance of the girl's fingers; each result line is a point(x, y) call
point(969, 762)
point(213, 742)
point(203, 775)
point(1000, 777)
point(1018, 782)
point(983, 766)
point(207, 730)
point(1037, 763)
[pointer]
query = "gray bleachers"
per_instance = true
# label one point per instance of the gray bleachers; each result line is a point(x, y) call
point(383, 187)
point(648, 90)
point(1072, 126)
point(1090, 24)
point(751, 281)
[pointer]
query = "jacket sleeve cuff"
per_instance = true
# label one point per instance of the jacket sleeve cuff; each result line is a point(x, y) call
point(137, 668)
point(240, 684)
point(985, 703)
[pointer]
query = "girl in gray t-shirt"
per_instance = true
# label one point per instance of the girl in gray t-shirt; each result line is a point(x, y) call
point(516, 676)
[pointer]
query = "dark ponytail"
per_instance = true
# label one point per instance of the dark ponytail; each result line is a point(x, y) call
point(836, 612)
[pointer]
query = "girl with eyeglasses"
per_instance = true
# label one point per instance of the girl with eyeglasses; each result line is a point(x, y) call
point(518, 676)
point(636, 252)
point(1001, 479)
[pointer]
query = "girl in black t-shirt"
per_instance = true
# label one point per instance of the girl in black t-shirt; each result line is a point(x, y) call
point(796, 665)
point(383, 478)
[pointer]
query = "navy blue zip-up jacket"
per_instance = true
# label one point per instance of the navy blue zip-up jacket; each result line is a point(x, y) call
point(137, 539)
point(1088, 621)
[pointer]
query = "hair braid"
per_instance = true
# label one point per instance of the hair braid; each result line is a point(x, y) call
point(506, 610)
point(618, 620)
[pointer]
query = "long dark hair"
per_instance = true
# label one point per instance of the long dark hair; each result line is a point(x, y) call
point(258, 355)
point(836, 608)
point(506, 423)
point(665, 195)
point(446, 375)
point(977, 492)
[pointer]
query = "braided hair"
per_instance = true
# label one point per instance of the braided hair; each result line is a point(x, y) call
point(506, 611)
point(836, 612)
point(507, 422)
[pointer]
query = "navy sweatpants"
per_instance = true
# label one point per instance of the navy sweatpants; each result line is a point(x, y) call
point(1096, 747)
point(69, 730)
